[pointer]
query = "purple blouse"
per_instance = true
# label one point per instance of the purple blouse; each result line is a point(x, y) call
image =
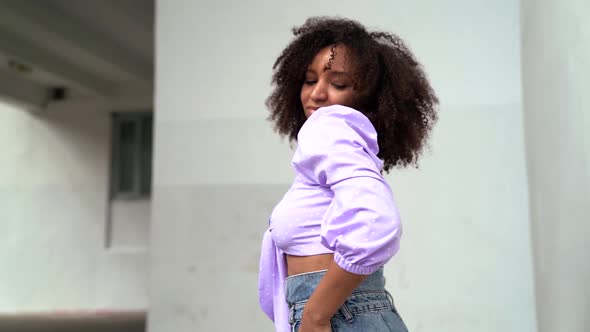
point(339, 203)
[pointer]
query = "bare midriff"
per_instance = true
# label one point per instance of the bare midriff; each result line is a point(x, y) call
point(304, 264)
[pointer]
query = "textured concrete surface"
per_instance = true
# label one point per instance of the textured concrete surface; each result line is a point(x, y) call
point(87, 322)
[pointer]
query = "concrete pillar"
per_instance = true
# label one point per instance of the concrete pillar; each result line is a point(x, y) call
point(556, 80)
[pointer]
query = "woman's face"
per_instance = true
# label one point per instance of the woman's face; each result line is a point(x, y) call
point(328, 86)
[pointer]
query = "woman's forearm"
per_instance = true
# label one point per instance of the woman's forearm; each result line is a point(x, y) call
point(334, 288)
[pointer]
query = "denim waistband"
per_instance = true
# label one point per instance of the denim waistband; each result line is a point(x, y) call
point(370, 295)
point(299, 287)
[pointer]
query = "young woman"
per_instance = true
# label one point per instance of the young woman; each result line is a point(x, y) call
point(358, 104)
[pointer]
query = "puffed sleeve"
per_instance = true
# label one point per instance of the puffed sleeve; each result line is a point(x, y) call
point(337, 148)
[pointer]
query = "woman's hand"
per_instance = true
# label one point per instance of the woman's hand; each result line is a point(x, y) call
point(332, 291)
point(309, 326)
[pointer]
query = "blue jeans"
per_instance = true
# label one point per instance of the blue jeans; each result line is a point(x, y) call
point(368, 309)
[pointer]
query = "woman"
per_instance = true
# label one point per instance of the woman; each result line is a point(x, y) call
point(358, 104)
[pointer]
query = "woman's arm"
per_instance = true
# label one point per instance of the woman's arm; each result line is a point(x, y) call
point(334, 288)
point(338, 149)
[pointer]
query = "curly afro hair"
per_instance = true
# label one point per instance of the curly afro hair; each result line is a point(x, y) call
point(393, 90)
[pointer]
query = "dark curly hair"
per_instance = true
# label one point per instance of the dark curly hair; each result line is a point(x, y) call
point(393, 90)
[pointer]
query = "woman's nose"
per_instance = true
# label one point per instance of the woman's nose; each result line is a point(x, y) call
point(319, 92)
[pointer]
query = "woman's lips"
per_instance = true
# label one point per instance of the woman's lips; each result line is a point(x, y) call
point(312, 109)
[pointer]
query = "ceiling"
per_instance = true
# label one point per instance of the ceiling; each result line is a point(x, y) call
point(76, 52)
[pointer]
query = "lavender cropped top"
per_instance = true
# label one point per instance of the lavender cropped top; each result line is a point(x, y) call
point(338, 203)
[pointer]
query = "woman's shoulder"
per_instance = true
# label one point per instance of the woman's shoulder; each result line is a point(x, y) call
point(341, 124)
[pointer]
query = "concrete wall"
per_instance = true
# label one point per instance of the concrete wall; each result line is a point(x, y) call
point(54, 178)
point(465, 262)
point(556, 64)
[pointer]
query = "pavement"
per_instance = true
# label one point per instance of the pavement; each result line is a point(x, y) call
point(74, 322)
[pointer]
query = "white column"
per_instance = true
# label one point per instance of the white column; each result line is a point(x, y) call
point(556, 69)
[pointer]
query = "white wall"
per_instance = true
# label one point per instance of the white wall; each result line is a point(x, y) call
point(129, 224)
point(465, 262)
point(556, 64)
point(54, 177)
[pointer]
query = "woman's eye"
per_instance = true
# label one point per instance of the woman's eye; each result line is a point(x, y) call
point(339, 86)
point(310, 82)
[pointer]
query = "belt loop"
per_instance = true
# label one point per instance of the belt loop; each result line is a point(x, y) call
point(390, 298)
point(346, 312)
point(292, 315)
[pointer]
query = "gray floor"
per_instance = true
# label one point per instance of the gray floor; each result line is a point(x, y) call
point(128, 322)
